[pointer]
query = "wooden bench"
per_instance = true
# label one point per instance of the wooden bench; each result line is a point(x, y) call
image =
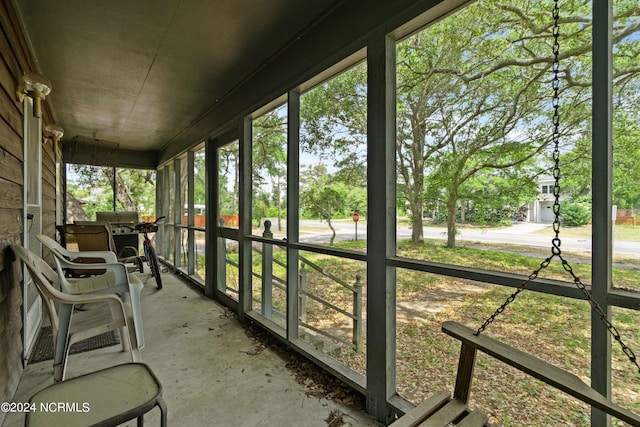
point(108, 397)
point(442, 409)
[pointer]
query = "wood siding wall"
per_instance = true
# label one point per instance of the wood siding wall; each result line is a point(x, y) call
point(15, 60)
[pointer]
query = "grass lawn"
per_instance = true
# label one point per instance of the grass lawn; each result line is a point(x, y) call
point(554, 329)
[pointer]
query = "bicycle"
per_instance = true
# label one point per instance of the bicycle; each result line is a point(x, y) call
point(150, 255)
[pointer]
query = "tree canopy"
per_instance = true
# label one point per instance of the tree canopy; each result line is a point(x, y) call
point(93, 187)
point(474, 102)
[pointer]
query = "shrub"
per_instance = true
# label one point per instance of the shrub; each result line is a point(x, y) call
point(480, 214)
point(575, 214)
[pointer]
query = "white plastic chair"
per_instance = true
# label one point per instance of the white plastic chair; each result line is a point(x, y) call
point(106, 313)
point(115, 278)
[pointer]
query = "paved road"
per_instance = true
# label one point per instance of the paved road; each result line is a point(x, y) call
point(519, 233)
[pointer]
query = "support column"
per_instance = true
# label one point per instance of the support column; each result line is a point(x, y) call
point(191, 236)
point(244, 225)
point(293, 204)
point(178, 209)
point(211, 218)
point(381, 293)
point(166, 203)
point(601, 184)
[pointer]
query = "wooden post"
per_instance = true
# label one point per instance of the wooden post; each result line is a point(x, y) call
point(302, 298)
point(222, 260)
point(357, 313)
point(466, 363)
point(267, 273)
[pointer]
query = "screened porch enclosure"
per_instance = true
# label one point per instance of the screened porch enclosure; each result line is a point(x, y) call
point(368, 306)
point(352, 203)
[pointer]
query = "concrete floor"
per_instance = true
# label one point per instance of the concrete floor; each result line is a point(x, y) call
point(210, 370)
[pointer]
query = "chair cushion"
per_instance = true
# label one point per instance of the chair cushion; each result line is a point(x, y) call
point(97, 283)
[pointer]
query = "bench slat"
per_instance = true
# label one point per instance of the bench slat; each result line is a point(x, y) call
point(539, 369)
point(474, 419)
point(423, 410)
point(445, 415)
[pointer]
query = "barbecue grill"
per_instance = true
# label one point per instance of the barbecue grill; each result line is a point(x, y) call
point(123, 236)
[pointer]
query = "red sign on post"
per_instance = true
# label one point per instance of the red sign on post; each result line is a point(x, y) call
point(356, 217)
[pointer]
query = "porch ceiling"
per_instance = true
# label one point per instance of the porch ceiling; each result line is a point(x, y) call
point(137, 73)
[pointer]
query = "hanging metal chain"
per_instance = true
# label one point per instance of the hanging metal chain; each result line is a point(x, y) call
point(513, 296)
point(601, 313)
point(555, 242)
point(555, 103)
point(555, 249)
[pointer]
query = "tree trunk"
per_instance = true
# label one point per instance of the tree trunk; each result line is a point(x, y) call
point(452, 201)
point(417, 234)
point(74, 210)
point(236, 186)
point(120, 189)
point(333, 231)
point(415, 198)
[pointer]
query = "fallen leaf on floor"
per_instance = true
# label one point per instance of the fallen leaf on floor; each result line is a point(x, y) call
point(335, 419)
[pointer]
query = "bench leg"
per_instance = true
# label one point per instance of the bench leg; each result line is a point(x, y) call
point(466, 363)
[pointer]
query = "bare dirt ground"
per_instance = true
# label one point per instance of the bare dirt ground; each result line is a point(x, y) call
point(435, 301)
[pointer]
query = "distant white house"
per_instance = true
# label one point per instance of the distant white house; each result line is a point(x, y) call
point(541, 209)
